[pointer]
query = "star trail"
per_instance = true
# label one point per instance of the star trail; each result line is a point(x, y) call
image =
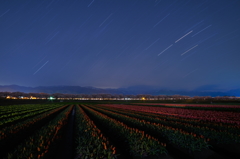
point(175, 44)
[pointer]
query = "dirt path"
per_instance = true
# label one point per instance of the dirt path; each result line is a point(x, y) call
point(64, 147)
point(68, 149)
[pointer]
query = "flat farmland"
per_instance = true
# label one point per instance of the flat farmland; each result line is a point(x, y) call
point(110, 131)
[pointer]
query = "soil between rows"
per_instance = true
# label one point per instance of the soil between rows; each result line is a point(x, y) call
point(64, 147)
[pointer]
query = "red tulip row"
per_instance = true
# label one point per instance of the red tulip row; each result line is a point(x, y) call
point(172, 135)
point(205, 115)
point(37, 145)
point(221, 135)
point(89, 140)
point(137, 142)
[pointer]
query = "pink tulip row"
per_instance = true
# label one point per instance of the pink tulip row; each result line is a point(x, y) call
point(205, 115)
point(192, 105)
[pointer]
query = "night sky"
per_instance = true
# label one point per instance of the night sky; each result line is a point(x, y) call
point(175, 44)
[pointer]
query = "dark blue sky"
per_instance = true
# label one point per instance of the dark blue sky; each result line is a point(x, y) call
point(176, 44)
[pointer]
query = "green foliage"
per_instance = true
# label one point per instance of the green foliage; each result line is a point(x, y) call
point(137, 142)
point(89, 139)
point(37, 145)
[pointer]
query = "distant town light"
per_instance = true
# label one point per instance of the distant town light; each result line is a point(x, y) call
point(51, 98)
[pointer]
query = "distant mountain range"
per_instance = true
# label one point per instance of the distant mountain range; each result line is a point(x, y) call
point(134, 90)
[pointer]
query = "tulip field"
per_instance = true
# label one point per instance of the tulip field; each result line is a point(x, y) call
point(119, 131)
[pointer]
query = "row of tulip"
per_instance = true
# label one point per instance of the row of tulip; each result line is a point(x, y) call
point(16, 108)
point(192, 105)
point(7, 111)
point(193, 121)
point(37, 145)
point(205, 115)
point(17, 130)
point(202, 123)
point(32, 111)
point(137, 142)
point(89, 140)
point(220, 108)
point(178, 137)
point(221, 135)
point(148, 114)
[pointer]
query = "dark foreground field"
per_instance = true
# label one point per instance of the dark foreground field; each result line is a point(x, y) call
point(119, 130)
